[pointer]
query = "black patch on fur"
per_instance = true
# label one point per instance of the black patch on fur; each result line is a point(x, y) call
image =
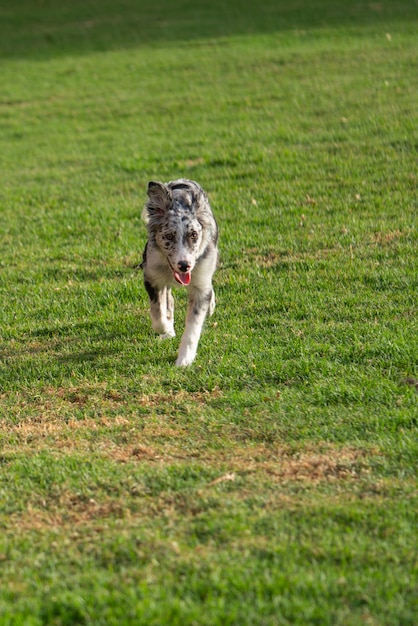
point(209, 248)
point(180, 186)
point(216, 234)
point(152, 292)
point(144, 257)
point(205, 299)
point(204, 253)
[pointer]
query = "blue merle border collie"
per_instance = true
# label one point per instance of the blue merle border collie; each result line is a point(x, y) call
point(181, 251)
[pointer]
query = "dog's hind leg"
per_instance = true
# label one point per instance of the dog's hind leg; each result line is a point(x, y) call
point(161, 310)
point(201, 303)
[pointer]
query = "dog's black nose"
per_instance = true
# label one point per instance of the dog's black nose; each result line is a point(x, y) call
point(183, 266)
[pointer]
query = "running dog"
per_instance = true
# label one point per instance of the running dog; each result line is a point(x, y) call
point(181, 250)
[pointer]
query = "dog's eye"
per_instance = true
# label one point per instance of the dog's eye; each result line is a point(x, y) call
point(194, 235)
point(169, 236)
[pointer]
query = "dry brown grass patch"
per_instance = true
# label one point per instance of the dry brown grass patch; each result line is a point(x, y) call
point(181, 397)
point(71, 513)
point(333, 465)
point(61, 412)
point(248, 470)
point(387, 238)
point(322, 463)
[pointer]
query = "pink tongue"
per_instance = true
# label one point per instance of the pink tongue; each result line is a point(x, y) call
point(183, 277)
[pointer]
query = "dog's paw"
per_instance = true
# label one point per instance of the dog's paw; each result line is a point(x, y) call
point(184, 362)
point(185, 359)
point(168, 335)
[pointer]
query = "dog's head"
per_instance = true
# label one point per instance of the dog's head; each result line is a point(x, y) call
point(180, 222)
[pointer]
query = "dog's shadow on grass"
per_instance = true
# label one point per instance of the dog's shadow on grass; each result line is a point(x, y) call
point(72, 344)
point(93, 342)
point(64, 330)
point(53, 354)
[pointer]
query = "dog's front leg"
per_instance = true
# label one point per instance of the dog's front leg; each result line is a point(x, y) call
point(200, 304)
point(161, 310)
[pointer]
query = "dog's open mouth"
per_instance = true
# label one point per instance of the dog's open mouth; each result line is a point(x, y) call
point(183, 278)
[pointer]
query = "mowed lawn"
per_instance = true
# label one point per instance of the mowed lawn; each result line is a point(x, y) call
point(274, 481)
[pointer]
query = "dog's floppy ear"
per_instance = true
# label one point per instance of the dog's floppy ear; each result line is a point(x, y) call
point(159, 197)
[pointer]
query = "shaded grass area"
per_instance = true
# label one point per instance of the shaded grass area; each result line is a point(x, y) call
point(46, 28)
point(274, 482)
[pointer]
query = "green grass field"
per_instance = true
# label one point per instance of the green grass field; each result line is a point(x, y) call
point(274, 481)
